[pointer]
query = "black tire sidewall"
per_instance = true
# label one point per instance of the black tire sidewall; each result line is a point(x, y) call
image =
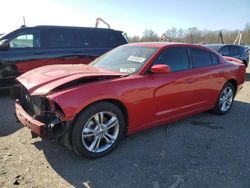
point(81, 120)
point(217, 108)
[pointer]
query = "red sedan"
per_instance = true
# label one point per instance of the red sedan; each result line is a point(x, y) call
point(131, 88)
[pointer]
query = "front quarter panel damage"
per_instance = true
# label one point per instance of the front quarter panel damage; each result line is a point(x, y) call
point(73, 100)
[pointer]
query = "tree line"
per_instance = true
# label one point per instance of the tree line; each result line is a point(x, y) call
point(195, 35)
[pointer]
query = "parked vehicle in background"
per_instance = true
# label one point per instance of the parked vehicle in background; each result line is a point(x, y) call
point(31, 47)
point(131, 88)
point(231, 50)
point(248, 48)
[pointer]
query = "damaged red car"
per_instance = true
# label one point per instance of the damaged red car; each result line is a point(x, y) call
point(131, 88)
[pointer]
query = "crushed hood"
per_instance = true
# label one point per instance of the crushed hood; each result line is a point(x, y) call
point(42, 80)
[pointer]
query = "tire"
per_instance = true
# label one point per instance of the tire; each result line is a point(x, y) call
point(97, 130)
point(225, 100)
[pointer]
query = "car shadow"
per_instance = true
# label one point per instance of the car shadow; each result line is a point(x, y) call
point(157, 156)
point(8, 123)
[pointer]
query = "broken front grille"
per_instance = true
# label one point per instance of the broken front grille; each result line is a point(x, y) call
point(34, 105)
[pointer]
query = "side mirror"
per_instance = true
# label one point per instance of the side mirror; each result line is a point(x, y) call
point(161, 69)
point(4, 44)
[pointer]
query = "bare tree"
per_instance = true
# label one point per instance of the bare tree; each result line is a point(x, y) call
point(149, 36)
point(171, 34)
point(134, 39)
point(246, 34)
point(195, 35)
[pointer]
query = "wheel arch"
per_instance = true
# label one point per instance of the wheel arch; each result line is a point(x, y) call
point(216, 108)
point(116, 102)
point(234, 83)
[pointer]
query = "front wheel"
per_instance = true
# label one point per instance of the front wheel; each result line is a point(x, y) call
point(225, 100)
point(98, 129)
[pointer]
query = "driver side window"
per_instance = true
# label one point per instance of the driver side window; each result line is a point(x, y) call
point(176, 58)
point(25, 40)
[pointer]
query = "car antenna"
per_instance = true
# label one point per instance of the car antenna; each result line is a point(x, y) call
point(220, 37)
point(24, 24)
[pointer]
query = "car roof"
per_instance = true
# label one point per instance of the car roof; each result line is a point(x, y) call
point(24, 28)
point(220, 45)
point(66, 27)
point(162, 44)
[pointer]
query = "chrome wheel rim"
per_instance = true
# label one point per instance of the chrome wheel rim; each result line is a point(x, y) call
point(226, 99)
point(100, 132)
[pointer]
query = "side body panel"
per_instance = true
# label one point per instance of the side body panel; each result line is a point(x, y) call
point(147, 100)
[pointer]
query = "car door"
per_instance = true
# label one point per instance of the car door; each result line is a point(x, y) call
point(173, 92)
point(25, 50)
point(208, 79)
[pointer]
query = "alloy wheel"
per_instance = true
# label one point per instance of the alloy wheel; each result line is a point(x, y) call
point(226, 99)
point(100, 132)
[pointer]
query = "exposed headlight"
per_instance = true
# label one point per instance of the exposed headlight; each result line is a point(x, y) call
point(7, 70)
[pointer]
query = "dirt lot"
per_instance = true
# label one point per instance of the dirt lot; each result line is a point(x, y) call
point(202, 151)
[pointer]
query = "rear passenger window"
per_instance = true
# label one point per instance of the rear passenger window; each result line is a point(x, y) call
point(201, 58)
point(84, 39)
point(224, 51)
point(233, 50)
point(241, 50)
point(176, 58)
point(107, 39)
point(99, 38)
point(59, 38)
point(214, 59)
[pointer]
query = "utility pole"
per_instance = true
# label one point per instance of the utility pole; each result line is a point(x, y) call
point(220, 38)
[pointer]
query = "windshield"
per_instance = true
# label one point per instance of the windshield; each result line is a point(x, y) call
point(126, 59)
point(4, 34)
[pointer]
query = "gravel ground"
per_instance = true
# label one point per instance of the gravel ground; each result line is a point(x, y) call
point(201, 151)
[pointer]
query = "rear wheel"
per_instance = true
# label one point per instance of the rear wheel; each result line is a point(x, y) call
point(225, 100)
point(98, 129)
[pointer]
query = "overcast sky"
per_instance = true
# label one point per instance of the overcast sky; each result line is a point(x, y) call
point(132, 17)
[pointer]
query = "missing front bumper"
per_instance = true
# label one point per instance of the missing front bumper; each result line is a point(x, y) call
point(54, 129)
point(25, 119)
